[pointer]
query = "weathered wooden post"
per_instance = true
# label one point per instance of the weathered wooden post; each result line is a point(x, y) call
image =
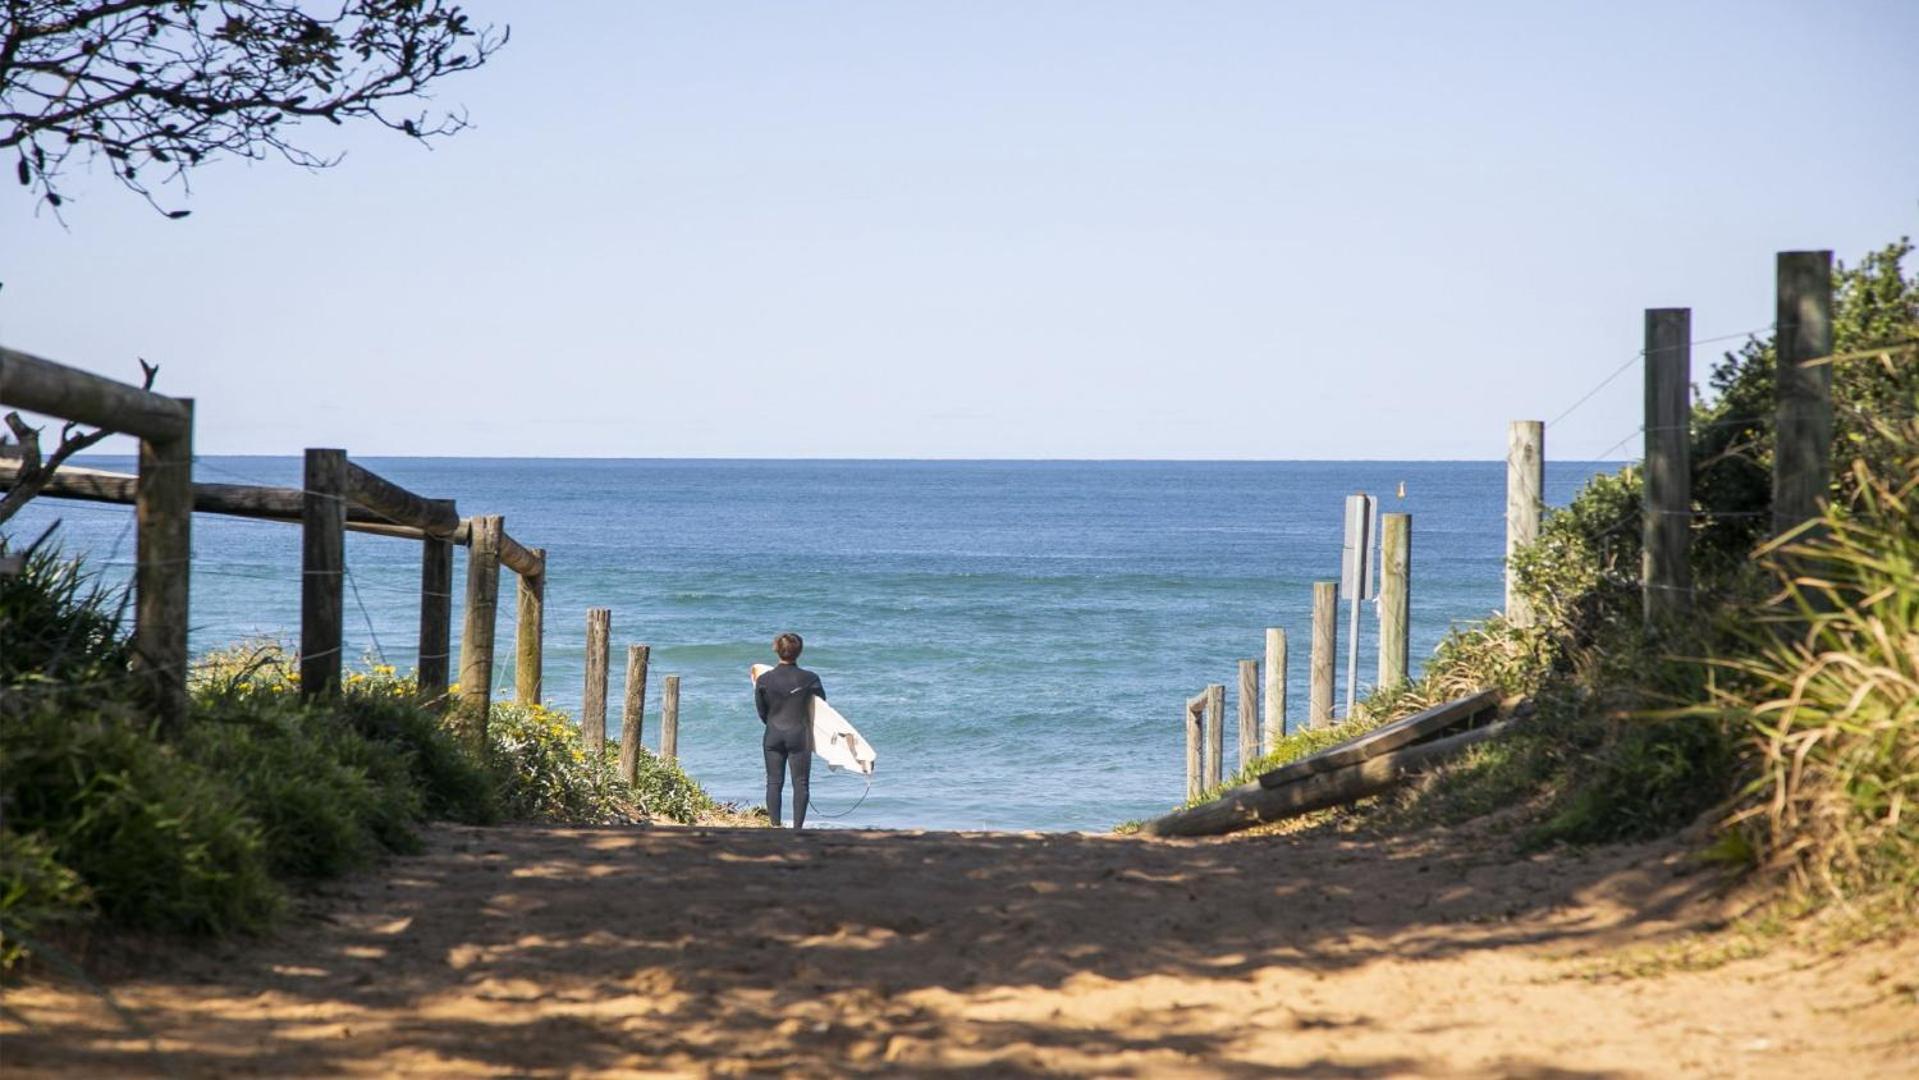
point(1319, 697)
point(436, 613)
point(1215, 734)
point(163, 513)
point(322, 572)
point(670, 719)
point(1666, 509)
point(529, 635)
point(1525, 498)
point(599, 628)
point(1395, 597)
point(1801, 465)
point(476, 634)
point(1275, 688)
point(633, 715)
point(1248, 712)
point(1195, 720)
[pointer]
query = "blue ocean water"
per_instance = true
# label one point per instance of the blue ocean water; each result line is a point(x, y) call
point(1017, 639)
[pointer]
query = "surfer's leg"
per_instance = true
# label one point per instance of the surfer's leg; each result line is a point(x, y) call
point(775, 768)
point(802, 763)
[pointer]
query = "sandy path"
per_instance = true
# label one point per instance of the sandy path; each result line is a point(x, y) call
point(540, 952)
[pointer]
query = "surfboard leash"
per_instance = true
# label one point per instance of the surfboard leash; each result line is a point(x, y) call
point(812, 805)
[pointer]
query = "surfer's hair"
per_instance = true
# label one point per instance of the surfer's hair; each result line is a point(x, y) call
point(787, 647)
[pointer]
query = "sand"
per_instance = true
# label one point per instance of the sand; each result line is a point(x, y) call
point(640, 952)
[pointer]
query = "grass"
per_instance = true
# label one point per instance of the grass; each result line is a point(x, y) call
point(1825, 696)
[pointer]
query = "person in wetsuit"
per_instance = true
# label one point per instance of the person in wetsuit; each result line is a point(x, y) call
point(784, 697)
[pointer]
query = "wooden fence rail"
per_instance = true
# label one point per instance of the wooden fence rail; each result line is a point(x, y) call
point(162, 497)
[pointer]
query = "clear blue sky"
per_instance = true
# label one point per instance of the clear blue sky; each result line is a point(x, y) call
point(995, 229)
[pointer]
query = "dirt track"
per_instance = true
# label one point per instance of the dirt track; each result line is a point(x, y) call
point(545, 952)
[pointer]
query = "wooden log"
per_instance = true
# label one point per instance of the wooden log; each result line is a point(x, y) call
point(1248, 712)
point(436, 617)
point(476, 635)
point(599, 630)
point(1421, 725)
point(1666, 507)
point(524, 561)
point(1319, 697)
point(233, 500)
point(529, 636)
point(1251, 804)
point(1525, 500)
point(322, 572)
point(633, 715)
point(1194, 719)
point(1215, 734)
point(1802, 446)
point(42, 386)
point(1395, 598)
point(1275, 688)
point(396, 504)
point(163, 516)
point(670, 720)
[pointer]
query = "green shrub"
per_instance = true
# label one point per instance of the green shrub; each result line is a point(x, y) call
point(37, 893)
point(59, 623)
point(662, 789)
point(326, 800)
point(398, 737)
point(161, 841)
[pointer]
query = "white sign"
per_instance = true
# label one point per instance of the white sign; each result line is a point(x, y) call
point(1356, 556)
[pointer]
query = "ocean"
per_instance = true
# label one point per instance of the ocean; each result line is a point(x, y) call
point(1016, 638)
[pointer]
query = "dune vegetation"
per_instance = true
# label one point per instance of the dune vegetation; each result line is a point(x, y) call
point(1782, 711)
point(107, 822)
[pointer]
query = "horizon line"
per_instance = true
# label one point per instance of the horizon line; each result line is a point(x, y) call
point(913, 460)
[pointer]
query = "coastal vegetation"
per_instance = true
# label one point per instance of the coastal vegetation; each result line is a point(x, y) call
point(106, 821)
point(1782, 711)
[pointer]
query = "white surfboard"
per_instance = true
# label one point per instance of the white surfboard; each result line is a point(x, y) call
point(835, 740)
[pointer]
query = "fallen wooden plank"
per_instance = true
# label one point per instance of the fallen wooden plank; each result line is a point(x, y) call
point(1383, 739)
point(1251, 804)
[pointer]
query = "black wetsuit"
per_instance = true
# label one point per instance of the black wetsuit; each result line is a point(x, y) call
point(784, 697)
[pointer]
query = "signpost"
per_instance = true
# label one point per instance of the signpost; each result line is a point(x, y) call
point(1356, 580)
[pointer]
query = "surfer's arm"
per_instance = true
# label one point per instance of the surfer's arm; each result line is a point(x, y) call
point(759, 701)
point(819, 688)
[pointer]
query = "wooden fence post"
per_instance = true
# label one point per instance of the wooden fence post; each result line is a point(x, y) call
point(1215, 733)
point(476, 635)
point(1195, 721)
point(1802, 450)
point(322, 572)
point(1395, 597)
point(163, 511)
point(1319, 698)
point(436, 614)
point(670, 719)
point(1248, 712)
point(599, 629)
point(1525, 498)
point(529, 635)
point(633, 715)
point(1666, 508)
point(1275, 688)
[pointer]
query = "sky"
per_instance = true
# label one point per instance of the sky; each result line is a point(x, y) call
point(991, 229)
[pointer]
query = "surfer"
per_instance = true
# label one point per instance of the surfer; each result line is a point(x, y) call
point(784, 697)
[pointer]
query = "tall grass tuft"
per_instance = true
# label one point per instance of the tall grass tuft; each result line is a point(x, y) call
point(1826, 693)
